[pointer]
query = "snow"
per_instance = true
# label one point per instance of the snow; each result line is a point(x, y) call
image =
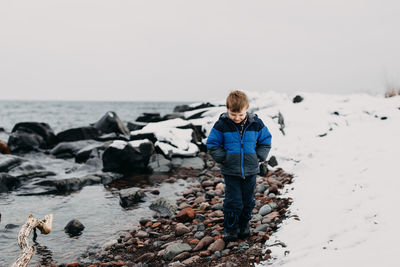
point(345, 189)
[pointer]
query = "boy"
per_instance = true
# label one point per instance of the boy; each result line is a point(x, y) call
point(238, 141)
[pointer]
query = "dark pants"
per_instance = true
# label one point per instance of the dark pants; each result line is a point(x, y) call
point(239, 201)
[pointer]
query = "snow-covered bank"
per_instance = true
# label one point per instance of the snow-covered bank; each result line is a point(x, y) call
point(343, 152)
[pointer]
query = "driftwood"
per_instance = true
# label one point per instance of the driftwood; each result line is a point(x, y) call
point(43, 225)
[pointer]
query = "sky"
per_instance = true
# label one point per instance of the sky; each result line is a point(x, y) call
point(188, 50)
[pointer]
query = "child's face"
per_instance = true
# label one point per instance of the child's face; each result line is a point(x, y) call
point(237, 117)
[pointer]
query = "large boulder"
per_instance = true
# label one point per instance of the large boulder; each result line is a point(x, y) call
point(133, 126)
point(8, 182)
point(28, 136)
point(183, 108)
point(111, 123)
point(123, 157)
point(77, 134)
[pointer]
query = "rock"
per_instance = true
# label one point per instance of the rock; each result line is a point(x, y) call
point(191, 260)
point(122, 156)
point(149, 117)
point(185, 215)
point(204, 242)
point(243, 245)
point(256, 218)
point(172, 116)
point(134, 126)
point(181, 256)
point(182, 108)
point(261, 188)
point(74, 228)
point(272, 161)
point(113, 137)
point(264, 210)
point(28, 136)
point(199, 235)
point(8, 182)
point(141, 234)
point(78, 134)
point(174, 249)
point(263, 169)
point(89, 151)
point(298, 99)
point(261, 228)
point(217, 213)
point(181, 229)
point(139, 135)
point(70, 149)
point(217, 206)
point(172, 264)
point(195, 163)
point(255, 250)
point(273, 205)
point(273, 189)
point(218, 245)
point(159, 164)
point(145, 257)
point(273, 215)
point(130, 196)
point(4, 148)
point(111, 123)
point(8, 162)
point(164, 207)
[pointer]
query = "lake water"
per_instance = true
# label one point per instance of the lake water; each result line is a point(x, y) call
point(96, 206)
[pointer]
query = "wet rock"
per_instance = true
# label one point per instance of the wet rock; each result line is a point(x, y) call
point(264, 210)
point(204, 243)
point(74, 227)
point(35, 174)
point(298, 99)
point(90, 151)
point(8, 162)
point(111, 123)
point(8, 182)
point(195, 163)
point(78, 134)
point(4, 147)
point(28, 136)
point(174, 249)
point(218, 245)
point(122, 156)
point(159, 164)
point(272, 161)
point(70, 149)
point(130, 196)
point(164, 207)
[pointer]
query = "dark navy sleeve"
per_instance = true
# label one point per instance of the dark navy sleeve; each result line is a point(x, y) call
point(263, 142)
point(215, 144)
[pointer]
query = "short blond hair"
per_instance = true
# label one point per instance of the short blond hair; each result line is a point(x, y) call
point(237, 101)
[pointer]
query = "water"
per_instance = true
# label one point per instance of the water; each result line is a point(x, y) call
point(97, 206)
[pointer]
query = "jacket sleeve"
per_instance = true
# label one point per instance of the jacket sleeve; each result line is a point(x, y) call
point(263, 143)
point(215, 142)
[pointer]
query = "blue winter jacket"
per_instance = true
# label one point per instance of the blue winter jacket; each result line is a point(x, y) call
point(238, 155)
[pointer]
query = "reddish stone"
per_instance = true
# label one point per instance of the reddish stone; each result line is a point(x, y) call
point(205, 253)
point(185, 215)
point(273, 215)
point(218, 245)
point(156, 224)
point(4, 148)
point(118, 263)
point(204, 242)
point(73, 264)
point(148, 224)
point(193, 241)
point(155, 192)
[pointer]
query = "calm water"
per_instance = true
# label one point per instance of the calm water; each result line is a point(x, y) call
point(97, 207)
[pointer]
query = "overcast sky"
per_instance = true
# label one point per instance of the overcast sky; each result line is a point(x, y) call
point(195, 50)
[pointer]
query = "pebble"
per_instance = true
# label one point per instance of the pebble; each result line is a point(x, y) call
point(218, 245)
point(199, 235)
point(191, 260)
point(261, 228)
point(141, 234)
point(217, 206)
point(204, 242)
point(265, 210)
point(243, 245)
point(181, 229)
